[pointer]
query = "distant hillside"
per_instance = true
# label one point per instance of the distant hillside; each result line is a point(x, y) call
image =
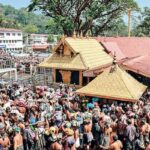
point(27, 21)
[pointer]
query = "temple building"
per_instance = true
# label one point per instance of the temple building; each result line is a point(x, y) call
point(114, 84)
point(74, 55)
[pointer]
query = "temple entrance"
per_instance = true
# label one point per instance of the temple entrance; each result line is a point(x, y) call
point(58, 76)
point(75, 77)
point(68, 77)
point(65, 76)
point(85, 80)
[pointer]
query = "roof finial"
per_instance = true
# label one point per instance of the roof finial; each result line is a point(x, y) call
point(63, 36)
point(78, 35)
point(114, 58)
point(63, 39)
point(113, 67)
point(74, 34)
point(87, 35)
point(90, 33)
point(81, 35)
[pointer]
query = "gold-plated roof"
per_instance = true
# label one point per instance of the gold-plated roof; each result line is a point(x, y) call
point(118, 85)
point(91, 51)
point(64, 62)
point(90, 54)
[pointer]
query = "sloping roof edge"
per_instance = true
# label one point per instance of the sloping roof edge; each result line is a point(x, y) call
point(63, 42)
point(107, 97)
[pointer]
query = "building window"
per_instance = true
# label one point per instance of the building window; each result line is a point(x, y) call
point(0, 41)
point(19, 34)
point(9, 41)
point(14, 34)
point(1, 34)
point(3, 41)
point(8, 34)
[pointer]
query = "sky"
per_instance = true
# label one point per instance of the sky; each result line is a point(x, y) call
point(24, 3)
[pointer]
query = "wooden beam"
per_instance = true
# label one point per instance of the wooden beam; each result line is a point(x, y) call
point(80, 78)
point(54, 75)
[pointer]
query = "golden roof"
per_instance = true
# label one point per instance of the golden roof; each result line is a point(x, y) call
point(91, 54)
point(118, 85)
point(91, 51)
point(63, 62)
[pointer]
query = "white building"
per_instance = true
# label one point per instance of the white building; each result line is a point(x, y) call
point(11, 39)
point(38, 39)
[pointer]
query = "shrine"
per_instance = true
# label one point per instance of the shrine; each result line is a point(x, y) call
point(74, 55)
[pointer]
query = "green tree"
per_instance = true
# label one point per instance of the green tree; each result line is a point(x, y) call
point(30, 28)
point(50, 38)
point(83, 15)
point(143, 27)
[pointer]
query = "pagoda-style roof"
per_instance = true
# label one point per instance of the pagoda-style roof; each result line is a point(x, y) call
point(114, 83)
point(71, 63)
point(87, 54)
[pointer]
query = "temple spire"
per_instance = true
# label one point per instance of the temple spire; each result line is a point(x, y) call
point(74, 34)
point(81, 34)
point(114, 63)
point(114, 59)
point(63, 38)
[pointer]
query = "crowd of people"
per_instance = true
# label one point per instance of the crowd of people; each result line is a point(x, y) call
point(55, 118)
point(22, 63)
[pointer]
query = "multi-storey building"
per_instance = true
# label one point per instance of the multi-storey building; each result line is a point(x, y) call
point(11, 39)
point(39, 42)
point(38, 39)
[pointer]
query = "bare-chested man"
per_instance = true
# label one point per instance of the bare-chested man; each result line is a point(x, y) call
point(116, 145)
point(55, 145)
point(4, 142)
point(147, 146)
point(87, 136)
point(18, 140)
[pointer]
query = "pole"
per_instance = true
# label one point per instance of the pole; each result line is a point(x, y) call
point(129, 22)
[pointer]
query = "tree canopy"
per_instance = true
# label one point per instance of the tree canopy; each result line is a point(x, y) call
point(30, 28)
point(81, 15)
point(22, 19)
point(142, 28)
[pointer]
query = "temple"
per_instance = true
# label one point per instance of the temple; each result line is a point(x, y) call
point(74, 55)
point(114, 84)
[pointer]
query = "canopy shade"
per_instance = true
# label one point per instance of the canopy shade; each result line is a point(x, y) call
point(114, 83)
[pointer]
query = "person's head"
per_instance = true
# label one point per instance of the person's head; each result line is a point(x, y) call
point(52, 130)
point(147, 142)
point(17, 130)
point(143, 121)
point(8, 110)
point(2, 127)
point(115, 138)
point(129, 121)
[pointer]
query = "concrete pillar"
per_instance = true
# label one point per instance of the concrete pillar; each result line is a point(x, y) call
point(54, 75)
point(9, 75)
point(16, 77)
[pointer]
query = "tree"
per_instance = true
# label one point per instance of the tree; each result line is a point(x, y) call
point(20, 18)
point(30, 28)
point(143, 27)
point(83, 15)
point(50, 38)
point(117, 27)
